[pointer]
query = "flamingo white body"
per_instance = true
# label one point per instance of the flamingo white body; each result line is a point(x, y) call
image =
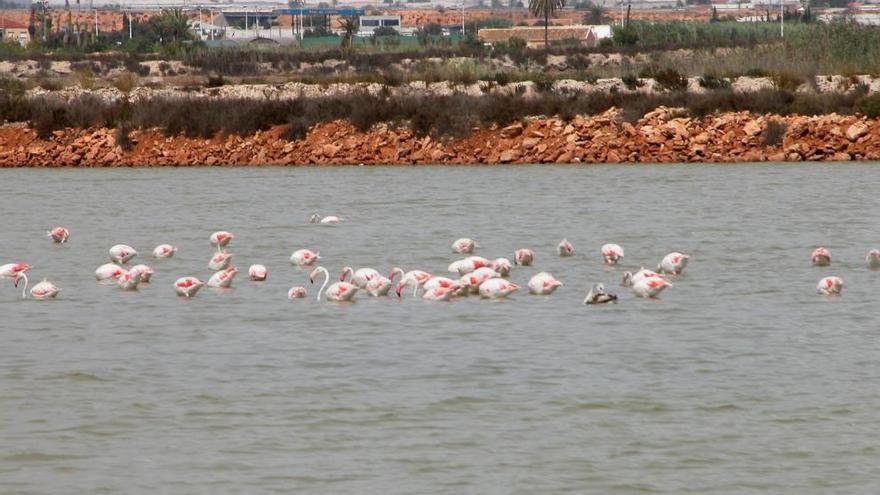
point(328, 220)
point(441, 283)
point(59, 235)
point(296, 293)
point(523, 257)
point(221, 239)
point(564, 249)
point(438, 294)
point(502, 266)
point(611, 254)
point(468, 265)
point(359, 277)
point(475, 279)
point(220, 261)
point(188, 286)
point(821, 257)
point(464, 246)
point(629, 278)
point(108, 272)
point(258, 273)
point(129, 280)
point(597, 295)
point(339, 291)
point(873, 259)
point(543, 284)
point(122, 253)
point(11, 270)
point(416, 278)
point(378, 286)
point(495, 288)
point(163, 251)
point(43, 290)
point(650, 287)
point(830, 286)
point(223, 278)
point(304, 257)
point(673, 263)
point(145, 271)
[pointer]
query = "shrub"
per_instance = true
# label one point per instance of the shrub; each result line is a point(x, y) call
point(632, 82)
point(773, 133)
point(869, 106)
point(517, 44)
point(125, 82)
point(671, 80)
point(123, 139)
point(786, 81)
point(712, 82)
point(215, 81)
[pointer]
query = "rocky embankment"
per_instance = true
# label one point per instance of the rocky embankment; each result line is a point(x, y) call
point(660, 136)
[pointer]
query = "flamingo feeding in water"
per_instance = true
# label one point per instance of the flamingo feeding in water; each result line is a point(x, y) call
point(42, 290)
point(650, 287)
point(629, 279)
point(496, 288)
point(468, 265)
point(59, 235)
point(329, 220)
point(359, 277)
point(338, 291)
point(223, 278)
point(543, 284)
point(830, 286)
point(108, 272)
point(145, 271)
point(873, 259)
point(611, 253)
point(296, 293)
point(523, 257)
point(502, 266)
point(564, 249)
point(476, 278)
point(673, 263)
point(258, 273)
point(164, 251)
point(417, 277)
point(464, 246)
point(220, 261)
point(129, 280)
point(11, 270)
point(188, 286)
point(221, 239)
point(378, 286)
point(304, 257)
point(122, 253)
point(597, 295)
point(821, 257)
point(438, 294)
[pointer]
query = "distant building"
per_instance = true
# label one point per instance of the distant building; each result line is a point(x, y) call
point(588, 36)
point(370, 23)
point(13, 31)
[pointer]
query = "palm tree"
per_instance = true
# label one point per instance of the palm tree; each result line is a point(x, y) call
point(349, 25)
point(547, 8)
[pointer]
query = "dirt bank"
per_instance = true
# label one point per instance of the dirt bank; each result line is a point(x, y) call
point(659, 137)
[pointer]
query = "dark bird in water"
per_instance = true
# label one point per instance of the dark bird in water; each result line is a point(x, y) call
point(597, 295)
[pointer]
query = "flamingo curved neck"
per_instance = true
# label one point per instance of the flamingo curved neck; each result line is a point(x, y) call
point(24, 289)
point(347, 271)
point(395, 272)
point(326, 280)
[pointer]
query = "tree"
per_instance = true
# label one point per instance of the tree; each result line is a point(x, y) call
point(171, 26)
point(594, 15)
point(349, 25)
point(545, 8)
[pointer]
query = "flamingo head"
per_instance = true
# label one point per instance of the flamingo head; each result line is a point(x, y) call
point(17, 279)
point(313, 275)
point(342, 276)
point(314, 218)
point(394, 273)
point(398, 289)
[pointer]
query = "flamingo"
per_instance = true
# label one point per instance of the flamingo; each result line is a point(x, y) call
point(220, 261)
point(474, 279)
point(11, 270)
point(122, 253)
point(441, 283)
point(821, 257)
point(611, 253)
point(223, 278)
point(129, 280)
point(543, 284)
point(378, 286)
point(673, 263)
point(830, 286)
point(304, 257)
point(502, 266)
point(258, 273)
point(145, 271)
point(650, 287)
point(59, 235)
point(339, 291)
point(42, 290)
point(296, 293)
point(597, 295)
point(496, 288)
point(438, 294)
point(565, 249)
point(468, 265)
point(315, 218)
point(629, 279)
point(188, 286)
point(108, 272)
point(464, 246)
point(417, 276)
point(220, 239)
point(523, 257)
point(873, 259)
point(164, 251)
point(359, 277)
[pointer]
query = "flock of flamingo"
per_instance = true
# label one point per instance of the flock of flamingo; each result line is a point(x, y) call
point(470, 275)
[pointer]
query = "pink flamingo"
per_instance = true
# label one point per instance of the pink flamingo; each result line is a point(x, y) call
point(122, 253)
point(543, 284)
point(315, 218)
point(108, 272)
point(821, 257)
point(565, 249)
point(464, 246)
point(413, 277)
point(129, 280)
point(296, 293)
point(378, 286)
point(221, 239)
point(673, 263)
point(188, 286)
point(42, 290)
point(359, 277)
point(629, 279)
point(611, 253)
point(145, 271)
point(220, 261)
point(11, 270)
point(164, 251)
point(523, 257)
point(502, 266)
point(468, 265)
point(474, 279)
point(496, 288)
point(438, 294)
point(830, 286)
point(223, 278)
point(650, 287)
point(59, 235)
point(258, 273)
point(339, 291)
point(304, 257)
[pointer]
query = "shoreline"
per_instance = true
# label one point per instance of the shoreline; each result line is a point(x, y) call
point(661, 136)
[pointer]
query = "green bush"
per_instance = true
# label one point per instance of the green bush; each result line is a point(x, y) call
point(869, 106)
point(712, 82)
point(671, 80)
